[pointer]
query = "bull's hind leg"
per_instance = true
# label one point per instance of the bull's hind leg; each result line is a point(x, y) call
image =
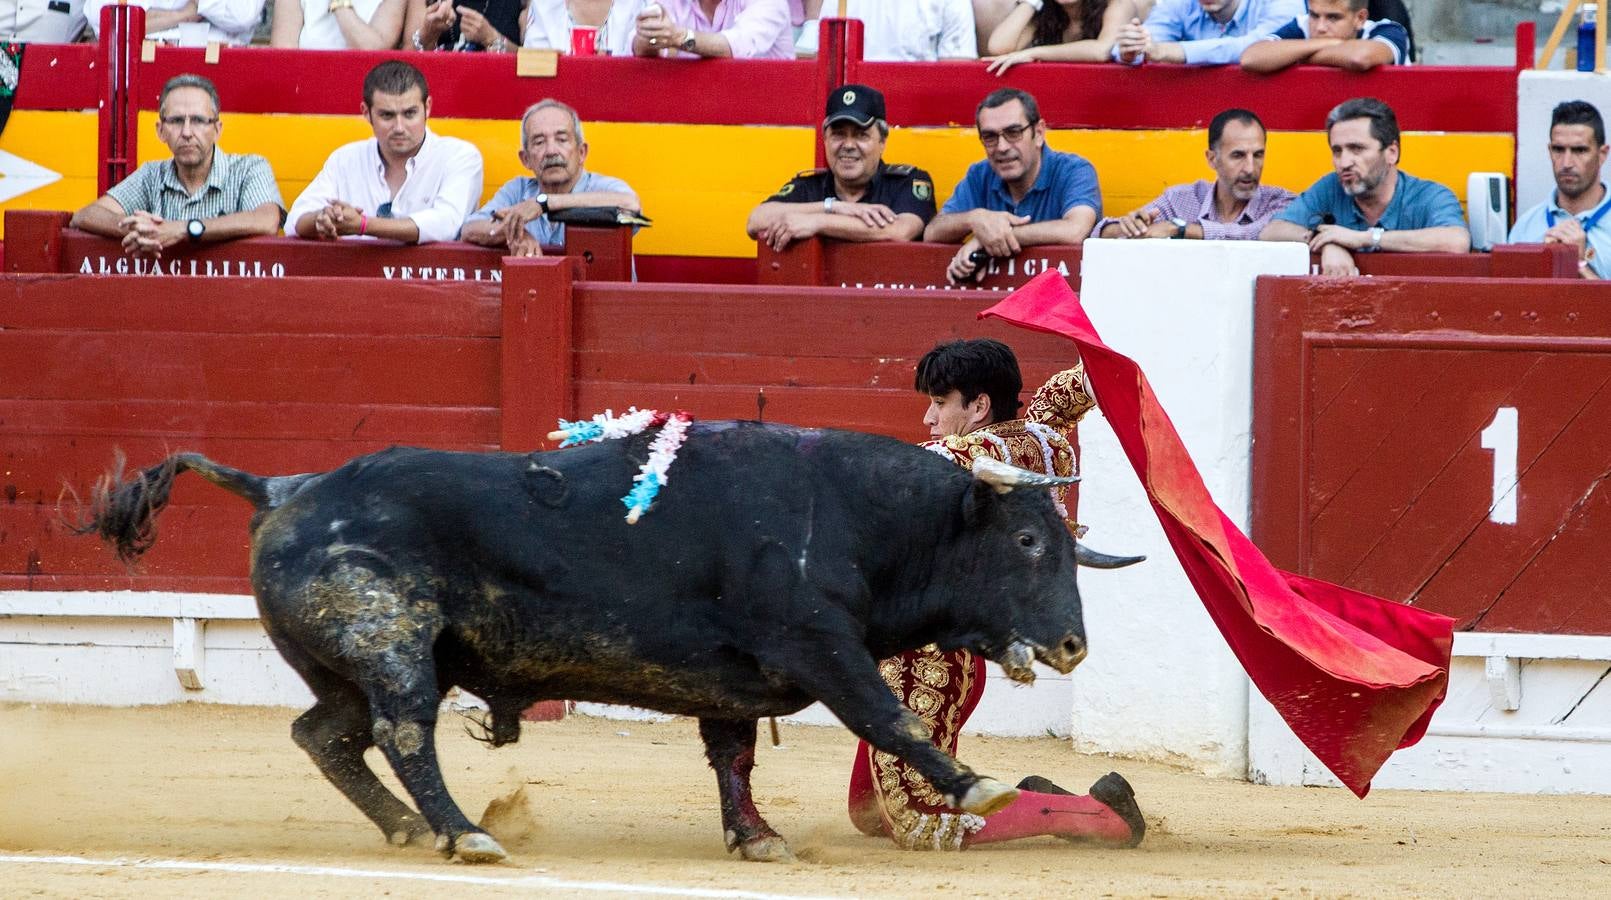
point(730, 747)
point(336, 732)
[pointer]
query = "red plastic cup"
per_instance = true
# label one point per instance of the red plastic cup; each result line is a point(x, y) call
point(584, 41)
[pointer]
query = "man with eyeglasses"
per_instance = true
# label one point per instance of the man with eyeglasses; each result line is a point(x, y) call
point(406, 183)
point(858, 197)
point(200, 195)
point(1022, 194)
point(552, 147)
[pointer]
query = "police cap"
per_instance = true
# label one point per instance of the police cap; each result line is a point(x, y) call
point(854, 103)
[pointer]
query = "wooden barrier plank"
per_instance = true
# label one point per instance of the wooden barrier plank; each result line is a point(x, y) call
point(220, 418)
point(197, 541)
point(445, 371)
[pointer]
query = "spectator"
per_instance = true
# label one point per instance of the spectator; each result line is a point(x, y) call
point(338, 24)
point(201, 195)
point(406, 183)
point(1576, 213)
point(1202, 32)
point(553, 148)
point(740, 29)
point(1368, 204)
point(582, 27)
point(469, 26)
point(1232, 207)
point(1022, 194)
point(1058, 31)
point(42, 21)
point(909, 31)
point(858, 197)
point(1334, 33)
point(191, 23)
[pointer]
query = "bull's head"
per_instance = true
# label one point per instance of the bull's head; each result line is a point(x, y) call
point(1023, 571)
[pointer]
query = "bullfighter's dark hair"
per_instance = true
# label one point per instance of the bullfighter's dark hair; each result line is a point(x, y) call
point(1004, 96)
point(973, 367)
point(1579, 112)
point(1216, 128)
point(1383, 123)
point(394, 77)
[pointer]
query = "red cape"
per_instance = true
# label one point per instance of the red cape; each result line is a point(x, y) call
point(1355, 676)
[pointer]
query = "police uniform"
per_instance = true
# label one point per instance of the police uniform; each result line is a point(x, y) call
point(904, 189)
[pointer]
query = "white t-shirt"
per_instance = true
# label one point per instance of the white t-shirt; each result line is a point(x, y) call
point(41, 21)
point(321, 31)
point(548, 26)
point(908, 30)
point(442, 188)
point(223, 21)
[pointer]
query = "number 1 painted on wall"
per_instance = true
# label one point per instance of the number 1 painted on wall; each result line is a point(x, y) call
point(1500, 437)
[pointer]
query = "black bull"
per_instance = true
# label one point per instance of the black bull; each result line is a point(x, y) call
point(777, 566)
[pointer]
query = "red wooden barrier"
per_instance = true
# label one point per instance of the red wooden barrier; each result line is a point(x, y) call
point(922, 266)
point(1387, 410)
point(38, 241)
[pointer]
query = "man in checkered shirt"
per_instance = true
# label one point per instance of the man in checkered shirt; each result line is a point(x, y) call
point(199, 196)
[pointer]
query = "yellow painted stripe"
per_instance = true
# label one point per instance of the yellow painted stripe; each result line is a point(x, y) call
point(699, 182)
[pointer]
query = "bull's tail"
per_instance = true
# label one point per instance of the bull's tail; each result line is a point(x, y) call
point(123, 508)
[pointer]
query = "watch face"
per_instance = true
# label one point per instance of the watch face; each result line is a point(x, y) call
point(195, 228)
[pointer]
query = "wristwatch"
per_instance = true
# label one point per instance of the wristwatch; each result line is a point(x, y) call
point(195, 229)
point(687, 44)
point(542, 202)
point(1180, 226)
point(1376, 238)
point(827, 204)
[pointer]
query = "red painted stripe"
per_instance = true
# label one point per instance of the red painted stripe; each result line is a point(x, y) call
point(695, 269)
point(57, 77)
point(484, 85)
point(1426, 98)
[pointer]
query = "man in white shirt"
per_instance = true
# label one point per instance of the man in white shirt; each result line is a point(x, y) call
point(191, 23)
point(909, 31)
point(404, 184)
point(42, 21)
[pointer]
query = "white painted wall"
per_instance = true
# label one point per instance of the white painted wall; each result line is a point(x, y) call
point(1160, 681)
point(1536, 95)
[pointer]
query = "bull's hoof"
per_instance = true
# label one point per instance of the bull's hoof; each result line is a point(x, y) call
point(471, 847)
point(766, 848)
point(987, 796)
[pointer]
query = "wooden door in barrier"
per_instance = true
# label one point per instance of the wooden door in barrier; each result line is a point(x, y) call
point(1445, 443)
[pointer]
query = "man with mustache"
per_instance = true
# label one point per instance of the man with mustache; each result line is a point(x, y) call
point(1576, 213)
point(858, 197)
point(199, 196)
point(1368, 205)
point(1022, 194)
point(407, 183)
point(552, 147)
point(1232, 207)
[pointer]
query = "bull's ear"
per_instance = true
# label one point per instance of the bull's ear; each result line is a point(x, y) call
point(978, 502)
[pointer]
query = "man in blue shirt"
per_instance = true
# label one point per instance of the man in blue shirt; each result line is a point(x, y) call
point(1335, 33)
point(1022, 194)
point(1579, 212)
point(552, 147)
point(1368, 204)
point(1202, 32)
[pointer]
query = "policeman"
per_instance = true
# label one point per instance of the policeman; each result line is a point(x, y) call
point(858, 197)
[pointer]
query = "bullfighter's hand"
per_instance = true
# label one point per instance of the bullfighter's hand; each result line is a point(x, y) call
point(1135, 224)
point(1336, 260)
point(1340, 236)
point(962, 267)
point(993, 231)
point(789, 227)
point(873, 215)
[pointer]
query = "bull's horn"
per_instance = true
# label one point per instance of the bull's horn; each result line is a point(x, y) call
point(1004, 477)
point(1091, 559)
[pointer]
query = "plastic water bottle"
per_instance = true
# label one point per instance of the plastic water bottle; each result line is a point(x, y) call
point(1585, 38)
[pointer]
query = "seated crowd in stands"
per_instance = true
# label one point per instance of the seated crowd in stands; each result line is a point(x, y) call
point(1264, 35)
point(409, 184)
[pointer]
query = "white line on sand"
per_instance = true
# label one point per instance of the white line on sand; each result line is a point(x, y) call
point(533, 882)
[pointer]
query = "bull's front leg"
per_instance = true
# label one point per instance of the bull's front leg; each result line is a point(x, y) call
point(845, 678)
point(730, 747)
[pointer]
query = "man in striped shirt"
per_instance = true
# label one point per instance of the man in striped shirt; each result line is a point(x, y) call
point(200, 195)
point(1232, 207)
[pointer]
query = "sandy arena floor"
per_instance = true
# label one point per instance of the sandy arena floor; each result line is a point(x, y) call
point(203, 801)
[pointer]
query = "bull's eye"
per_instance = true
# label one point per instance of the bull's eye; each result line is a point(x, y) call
point(1025, 539)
